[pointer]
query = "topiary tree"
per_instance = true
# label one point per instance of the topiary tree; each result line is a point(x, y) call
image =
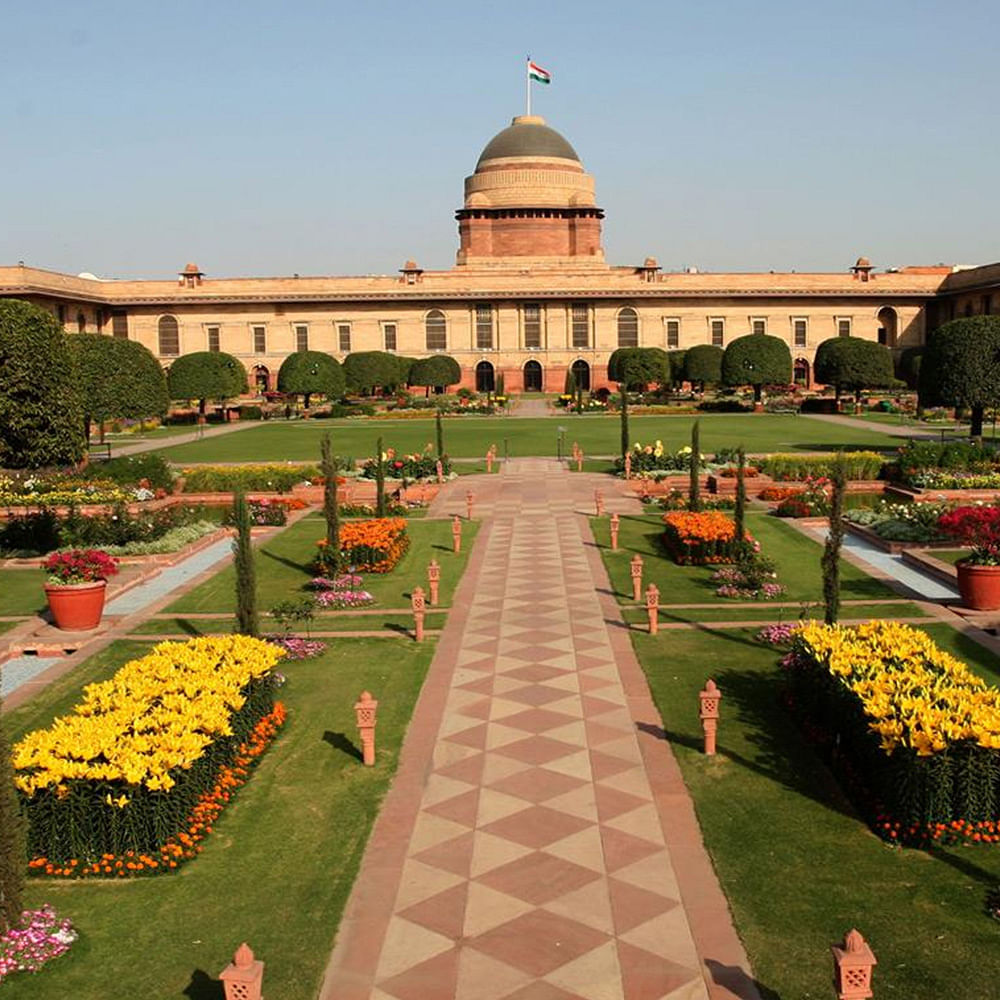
point(368, 370)
point(703, 365)
point(309, 373)
point(402, 376)
point(757, 360)
point(206, 375)
point(677, 359)
point(637, 367)
point(118, 379)
point(852, 364)
point(13, 835)
point(961, 367)
point(908, 367)
point(41, 420)
point(436, 372)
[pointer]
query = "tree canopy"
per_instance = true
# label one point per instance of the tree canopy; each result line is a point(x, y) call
point(703, 365)
point(41, 421)
point(117, 379)
point(206, 375)
point(437, 371)
point(306, 373)
point(637, 367)
point(853, 364)
point(961, 367)
point(908, 366)
point(367, 369)
point(757, 360)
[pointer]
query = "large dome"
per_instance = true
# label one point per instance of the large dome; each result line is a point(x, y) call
point(527, 137)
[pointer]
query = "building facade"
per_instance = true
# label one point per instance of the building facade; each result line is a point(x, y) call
point(530, 295)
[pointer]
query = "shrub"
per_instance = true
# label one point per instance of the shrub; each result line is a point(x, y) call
point(311, 373)
point(436, 372)
point(422, 465)
point(919, 459)
point(723, 406)
point(366, 370)
point(126, 770)
point(757, 360)
point(637, 367)
point(652, 458)
point(702, 538)
point(206, 375)
point(41, 419)
point(853, 364)
point(131, 470)
point(251, 478)
point(921, 767)
point(703, 365)
point(858, 466)
point(374, 546)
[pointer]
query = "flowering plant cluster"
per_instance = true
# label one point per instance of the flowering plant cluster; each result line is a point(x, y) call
point(185, 845)
point(77, 566)
point(374, 546)
point(938, 480)
point(420, 465)
point(269, 512)
point(297, 648)
point(917, 733)
point(773, 493)
point(62, 491)
point(730, 471)
point(40, 937)
point(338, 599)
point(345, 581)
point(902, 522)
point(778, 634)
point(124, 770)
point(977, 527)
point(702, 538)
point(811, 501)
point(262, 478)
point(652, 458)
point(754, 577)
point(680, 500)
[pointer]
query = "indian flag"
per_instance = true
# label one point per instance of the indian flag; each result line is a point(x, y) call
point(536, 72)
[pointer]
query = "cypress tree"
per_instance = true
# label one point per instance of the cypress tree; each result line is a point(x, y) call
point(570, 383)
point(329, 467)
point(579, 398)
point(13, 851)
point(379, 480)
point(694, 468)
point(439, 429)
point(741, 497)
point(830, 561)
point(247, 622)
point(624, 416)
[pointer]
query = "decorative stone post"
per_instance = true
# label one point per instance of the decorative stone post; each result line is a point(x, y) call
point(615, 520)
point(653, 607)
point(628, 466)
point(468, 505)
point(853, 962)
point(635, 568)
point(456, 533)
point(599, 503)
point(419, 603)
point(489, 461)
point(365, 711)
point(433, 579)
point(579, 461)
point(440, 471)
point(576, 450)
point(709, 715)
point(243, 978)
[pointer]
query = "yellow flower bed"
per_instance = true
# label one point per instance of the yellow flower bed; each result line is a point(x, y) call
point(157, 713)
point(913, 694)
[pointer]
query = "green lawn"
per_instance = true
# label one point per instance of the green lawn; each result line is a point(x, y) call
point(948, 555)
point(283, 568)
point(796, 555)
point(469, 437)
point(734, 611)
point(21, 591)
point(181, 626)
point(279, 866)
point(798, 866)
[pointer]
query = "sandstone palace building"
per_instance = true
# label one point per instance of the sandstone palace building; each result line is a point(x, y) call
point(530, 295)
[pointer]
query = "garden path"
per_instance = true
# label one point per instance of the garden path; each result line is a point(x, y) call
point(538, 842)
point(926, 433)
point(531, 406)
point(119, 450)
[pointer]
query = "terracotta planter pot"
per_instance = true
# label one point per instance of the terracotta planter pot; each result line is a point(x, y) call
point(76, 607)
point(979, 586)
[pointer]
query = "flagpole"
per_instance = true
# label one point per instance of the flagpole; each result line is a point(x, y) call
point(527, 86)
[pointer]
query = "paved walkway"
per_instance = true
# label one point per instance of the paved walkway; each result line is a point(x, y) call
point(537, 843)
point(919, 431)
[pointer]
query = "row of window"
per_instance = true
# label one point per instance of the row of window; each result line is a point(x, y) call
point(436, 331)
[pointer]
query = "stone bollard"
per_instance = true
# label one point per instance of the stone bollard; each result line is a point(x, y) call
point(439, 468)
point(433, 579)
point(615, 520)
point(456, 533)
point(709, 715)
point(419, 603)
point(365, 711)
point(853, 962)
point(599, 502)
point(576, 451)
point(579, 461)
point(635, 568)
point(653, 608)
point(489, 461)
point(468, 505)
point(243, 978)
point(628, 466)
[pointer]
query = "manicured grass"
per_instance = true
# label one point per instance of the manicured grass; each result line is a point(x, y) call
point(469, 437)
point(21, 591)
point(948, 555)
point(278, 868)
point(798, 866)
point(733, 611)
point(182, 627)
point(283, 568)
point(7, 626)
point(796, 555)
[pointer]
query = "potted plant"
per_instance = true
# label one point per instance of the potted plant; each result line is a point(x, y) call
point(75, 585)
point(978, 572)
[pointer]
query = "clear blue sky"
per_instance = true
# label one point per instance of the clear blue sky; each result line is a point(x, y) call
point(329, 137)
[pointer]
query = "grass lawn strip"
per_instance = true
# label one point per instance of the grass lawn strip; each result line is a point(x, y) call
point(733, 611)
point(183, 627)
point(468, 437)
point(798, 866)
point(21, 591)
point(278, 867)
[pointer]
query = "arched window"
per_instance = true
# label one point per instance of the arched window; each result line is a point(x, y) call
point(628, 328)
point(261, 378)
point(532, 377)
point(436, 331)
point(581, 374)
point(169, 336)
point(888, 326)
point(485, 381)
